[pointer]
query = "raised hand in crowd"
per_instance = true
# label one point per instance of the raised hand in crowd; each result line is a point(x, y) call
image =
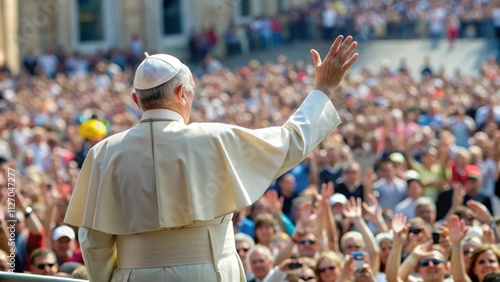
point(400, 231)
point(400, 228)
point(409, 264)
point(275, 205)
point(327, 190)
point(373, 213)
point(32, 221)
point(457, 230)
point(353, 214)
point(480, 212)
point(369, 176)
point(416, 239)
point(350, 273)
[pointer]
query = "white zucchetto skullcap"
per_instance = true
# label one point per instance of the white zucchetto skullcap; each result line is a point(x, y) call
point(156, 70)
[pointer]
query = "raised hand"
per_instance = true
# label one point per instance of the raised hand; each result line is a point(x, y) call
point(331, 70)
point(457, 230)
point(479, 211)
point(307, 214)
point(352, 209)
point(369, 176)
point(458, 194)
point(423, 250)
point(371, 207)
point(275, 203)
point(400, 228)
point(327, 191)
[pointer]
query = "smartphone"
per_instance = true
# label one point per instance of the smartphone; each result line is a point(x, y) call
point(435, 238)
point(414, 229)
point(359, 261)
point(295, 265)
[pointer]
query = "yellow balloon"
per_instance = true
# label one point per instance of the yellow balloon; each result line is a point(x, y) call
point(93, 130)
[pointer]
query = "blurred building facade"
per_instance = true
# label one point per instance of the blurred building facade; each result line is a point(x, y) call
point(35, 26)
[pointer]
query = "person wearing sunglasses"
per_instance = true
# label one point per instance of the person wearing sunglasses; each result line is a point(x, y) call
point(433, 267)
point(44, 262)
point(328, 267)
point(243, 244)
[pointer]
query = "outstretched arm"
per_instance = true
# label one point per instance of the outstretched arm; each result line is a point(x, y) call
point(458, 230)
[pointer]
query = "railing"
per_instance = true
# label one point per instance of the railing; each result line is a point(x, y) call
point(16, 277)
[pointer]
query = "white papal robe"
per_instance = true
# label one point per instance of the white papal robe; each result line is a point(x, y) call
point(154, 203)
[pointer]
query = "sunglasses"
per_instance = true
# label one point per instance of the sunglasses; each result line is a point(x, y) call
point(242, 249)
point(308, 278)
point(303, 242)
point(425, 262)
point(321, 270)
point(468, 251)
point(43, 265)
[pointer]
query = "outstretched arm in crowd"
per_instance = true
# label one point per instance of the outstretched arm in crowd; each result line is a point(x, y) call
point(369, 177)
point(329, 224)
point(410, 263)
point(276, 207)
point(458, 230)
point(353, 213)
point(481, 213)
point(50, 197)
point(374, 213)
point(313, 170)
point(32, 222)
point(400, 230)
point(302, 226)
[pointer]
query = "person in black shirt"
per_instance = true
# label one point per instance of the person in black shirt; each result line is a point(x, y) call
point(350, 184)
point(472, 189)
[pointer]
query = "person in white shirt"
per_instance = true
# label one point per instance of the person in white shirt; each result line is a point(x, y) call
point(389, 189)
point(415, 190)
point(261, 261)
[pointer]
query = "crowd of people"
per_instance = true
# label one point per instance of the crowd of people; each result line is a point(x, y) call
point(321, 20)
point(411, 177)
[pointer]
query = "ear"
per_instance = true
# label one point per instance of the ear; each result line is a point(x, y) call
point(136, 99)
point(179, 94)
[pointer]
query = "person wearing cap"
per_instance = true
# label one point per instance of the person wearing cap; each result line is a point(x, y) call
point(161, 195)
point(399, 161)
point(63, 243)
point(415, 189)
point(472, 188)
point(92, 131)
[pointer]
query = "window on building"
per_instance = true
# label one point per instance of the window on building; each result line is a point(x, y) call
point(245, 8)
point(90, 20)
point(172, 17)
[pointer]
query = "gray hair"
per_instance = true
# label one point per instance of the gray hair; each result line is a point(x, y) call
point(261, 249)
point(425, 202)
point(242, 237)
point(162, 95)
point(355, 235)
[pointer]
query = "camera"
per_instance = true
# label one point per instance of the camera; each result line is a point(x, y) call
point(435, 238)
point(295, 265)
point(359, 261)
point(415, 230)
